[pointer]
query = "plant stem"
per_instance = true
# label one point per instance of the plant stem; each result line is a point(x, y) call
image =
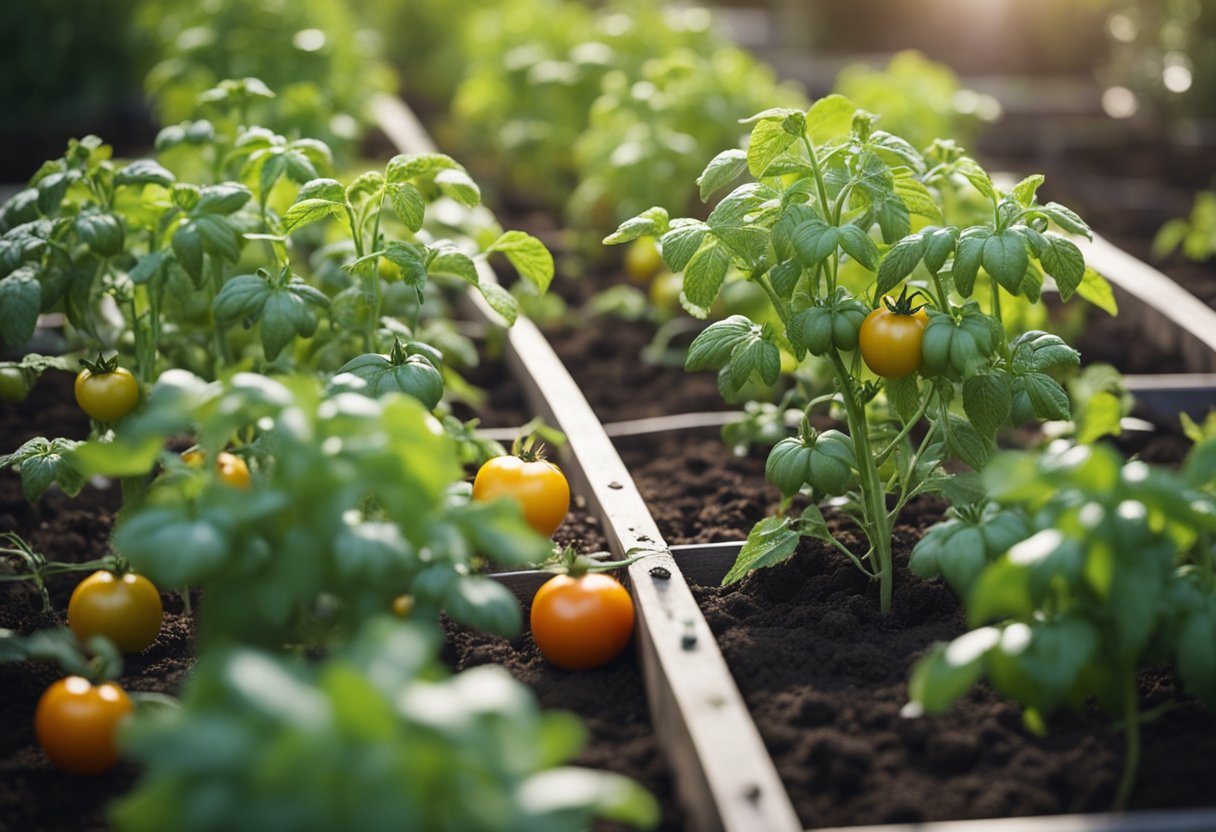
point(886, 452)
point(1131, 732)
point(874, 504)
point(221, 343)
point(763, 282)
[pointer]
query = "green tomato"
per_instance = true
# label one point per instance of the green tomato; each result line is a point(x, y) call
point(14, 386)
point(825, 462)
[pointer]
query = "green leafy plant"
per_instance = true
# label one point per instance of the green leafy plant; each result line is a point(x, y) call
point(1117, 576)
point(1195, 235)
point(826, 228)
point(373, 736)
point(325, 66)
point(352, 501)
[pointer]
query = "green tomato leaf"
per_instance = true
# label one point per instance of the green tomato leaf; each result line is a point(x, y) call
point(987, 398)
point(446, 259)
point(815, 241)
point(713, 347)
point(967, 258)
point(1006, 259)
point(458, 185)
point(650, 223)
point(769, 139)
point(408, 204)
point(1066, 219)
point(529, 257)
point(144, 172)
point(723, 169)
point(1063, 260)
point(485, 604)
point(218, 238)
point(770, 542)
point(406, 167)
point(1047, 397)
point(830, 118)
point(858, 245)
point(705, 273)
point(20, 302)
point(227, 198)
point(978, 178)
point(967, 444)
point(899, 262)
point(681, 243)
point(948, 671)
point(500, 300)
point(1097, 290)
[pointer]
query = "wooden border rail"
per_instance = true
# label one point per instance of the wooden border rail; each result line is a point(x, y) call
point(725, 779)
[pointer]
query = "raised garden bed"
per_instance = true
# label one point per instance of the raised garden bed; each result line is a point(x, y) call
point(708, 794)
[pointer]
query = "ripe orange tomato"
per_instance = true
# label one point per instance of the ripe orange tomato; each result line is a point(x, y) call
point(233, 470)
point(75, 722)
point(126, 610)
point(539, 486)
point(582, 622)
point(890, 342)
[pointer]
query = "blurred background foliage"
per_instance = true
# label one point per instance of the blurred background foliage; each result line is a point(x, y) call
point(595, 106)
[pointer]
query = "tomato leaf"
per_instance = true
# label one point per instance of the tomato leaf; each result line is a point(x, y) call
point(408, 204)
point(529, 257)
point(1063, 260)
point(485, 604)
point(681, 242)
point(705, 273)
point(770, 542)
point(723, 169)
point(713, 347)
point(20, 302)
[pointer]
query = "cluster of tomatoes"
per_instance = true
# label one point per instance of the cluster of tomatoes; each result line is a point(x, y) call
point(578, 621)
point(76, 720)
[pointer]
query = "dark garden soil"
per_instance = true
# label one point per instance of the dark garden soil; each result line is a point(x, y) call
point(33, 794)
point(611, 700)
point(825, 677)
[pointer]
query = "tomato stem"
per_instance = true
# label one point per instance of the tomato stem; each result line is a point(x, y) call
point(874, 506)
point(1131, 731)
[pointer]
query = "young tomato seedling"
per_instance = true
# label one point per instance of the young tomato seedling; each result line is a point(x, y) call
point(837, 215)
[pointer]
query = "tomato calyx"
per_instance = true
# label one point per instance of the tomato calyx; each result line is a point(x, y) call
point(904, 304)
point(100, 366)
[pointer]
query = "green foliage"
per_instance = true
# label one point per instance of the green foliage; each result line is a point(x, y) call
point(836, 216)
point(313, 52)
point(1195, 235)
point(374, 736)
point(1117, 576)
point(919, 99)
point(352, 505)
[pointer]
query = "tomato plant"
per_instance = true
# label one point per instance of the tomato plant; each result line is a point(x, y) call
point(1115, 575)
point(75, 722)
point(825, 228)
point(537, 485)
point(582, 621)
point(124, 608)
point(890, 338)
point(105, 391)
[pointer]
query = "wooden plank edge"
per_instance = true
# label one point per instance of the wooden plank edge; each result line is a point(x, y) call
point(1179, 820)
point(1166, 314)
point(725, 779)
point(724, 775)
